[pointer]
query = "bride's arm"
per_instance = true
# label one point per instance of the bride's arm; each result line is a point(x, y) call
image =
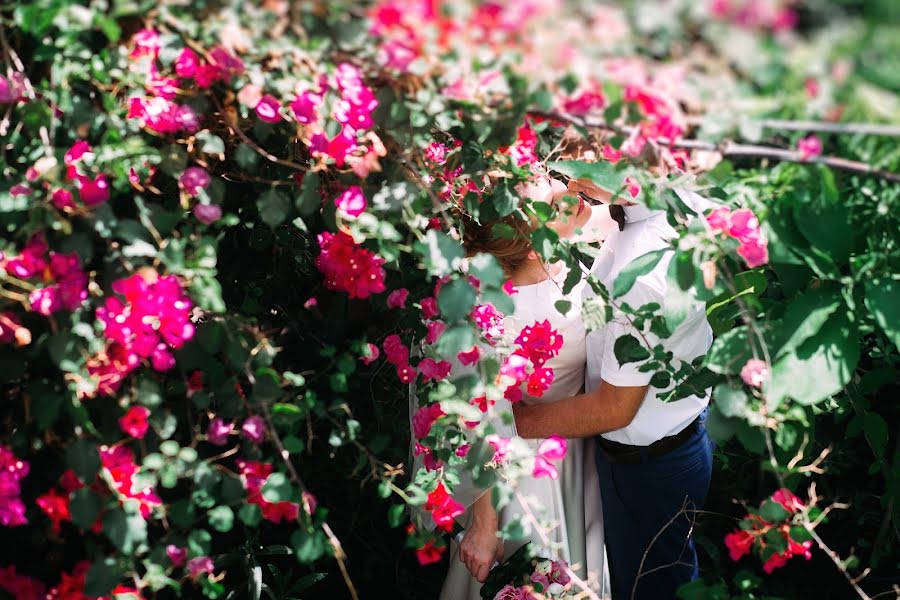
point(480, 546)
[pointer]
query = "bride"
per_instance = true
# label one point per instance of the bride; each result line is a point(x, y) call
point(572, 501)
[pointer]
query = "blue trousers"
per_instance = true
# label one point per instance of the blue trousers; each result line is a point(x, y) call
point(648, 537)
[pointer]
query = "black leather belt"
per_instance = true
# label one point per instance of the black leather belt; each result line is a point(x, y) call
point(625, 454)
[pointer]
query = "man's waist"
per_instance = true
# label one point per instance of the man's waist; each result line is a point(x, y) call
point(619, 452)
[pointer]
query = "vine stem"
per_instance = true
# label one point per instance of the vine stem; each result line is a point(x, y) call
point(729, 148)
point(339, 554)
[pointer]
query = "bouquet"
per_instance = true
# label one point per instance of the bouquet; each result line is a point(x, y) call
point(525, 576)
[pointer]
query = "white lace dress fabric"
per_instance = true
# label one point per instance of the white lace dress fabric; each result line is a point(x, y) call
point(572, 501)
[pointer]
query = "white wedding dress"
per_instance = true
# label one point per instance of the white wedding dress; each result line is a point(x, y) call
point(572, 501)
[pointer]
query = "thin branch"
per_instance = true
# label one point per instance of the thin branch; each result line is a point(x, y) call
point(826, 127)
point(728, 148)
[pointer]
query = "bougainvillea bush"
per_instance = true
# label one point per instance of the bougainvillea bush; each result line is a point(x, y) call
point(231, 241)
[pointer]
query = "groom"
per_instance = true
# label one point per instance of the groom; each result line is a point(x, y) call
point(654, 458)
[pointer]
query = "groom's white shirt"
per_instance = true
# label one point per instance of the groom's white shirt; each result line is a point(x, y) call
point(646, 230)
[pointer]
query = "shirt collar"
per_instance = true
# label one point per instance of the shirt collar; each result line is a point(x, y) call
point(640, 212)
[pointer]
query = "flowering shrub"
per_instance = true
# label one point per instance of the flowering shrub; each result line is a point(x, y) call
point(231, 243)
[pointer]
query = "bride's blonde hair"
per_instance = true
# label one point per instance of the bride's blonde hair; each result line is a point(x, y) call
point(509, 250)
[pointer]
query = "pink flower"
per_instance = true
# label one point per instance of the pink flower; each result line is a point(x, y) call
point(611, 154)
point(218, 431)
point(395, 350)
point(93, 191)
point(632, 187)
point(305, 107)
point(397, 298)
point(509, 288)
point(444, 509)
point(186, 63)
point(585, 102)
point(348, 267)
point(431, 369)
point(514, 369)
point(337, 148)
point(56, 507)
point(268, 109)
point(738, 543)
point(119, 464)
point(755, 252)
point(500, 446)
point(429, 307)
point(12, 470)
point(435, 329)
point(199, 566)
point(776, 561)
point(809, 147)
point(193, 179)
point(469, 357)
point(146, 43)
point(62, 199)
point(523, 150)
point(539, 381)
point(788, 500)
point(743, 224)
point(207, 213)
point(489, 320)
point(78, 150)
point(134, 422)
point(254, 429)
point(250, 95)
point(509, 592)
point(371, 354)
point(309, 502)
point(162, 115)
point(436, 153)
point(755, 372)
point(177, 556)
point(351, 203)
point(551, 449)
point(719, 219)
point(539, 342)
point(429, 553)
point(45, 301)
point(424, 418)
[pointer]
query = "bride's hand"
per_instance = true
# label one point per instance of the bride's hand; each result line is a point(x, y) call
point(479, 548)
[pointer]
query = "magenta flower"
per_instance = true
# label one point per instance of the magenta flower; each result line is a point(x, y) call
point(178, 556)
point(193, 179)
point(146, 43)
point(199, 566)
point(424, 418)
point(351, 202)
point(809, 147)
point(397, 298)
point(435, 329)
point(254, 429)
point(218, 431)
point(338, 148)
point(436, 153)
point(395, 350)
point(134, 422)
point(186, 63)
point(12, 471)
point(77, 152)
point(207, 213)
point(93, 191)
point(268, 109)
point(469, 357)
point(305, 107)
point(348, 267)
point(433, 370)
point(551, 449)
point(62, 199)
point(371, 354)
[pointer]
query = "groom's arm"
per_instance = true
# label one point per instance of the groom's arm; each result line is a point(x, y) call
point(603, 409)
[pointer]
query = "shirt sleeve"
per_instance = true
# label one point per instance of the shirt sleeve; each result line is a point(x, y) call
point(628, 374)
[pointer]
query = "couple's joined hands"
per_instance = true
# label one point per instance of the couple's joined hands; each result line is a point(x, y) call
point(480, 548)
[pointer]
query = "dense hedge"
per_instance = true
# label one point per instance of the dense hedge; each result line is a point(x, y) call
point(225, 225)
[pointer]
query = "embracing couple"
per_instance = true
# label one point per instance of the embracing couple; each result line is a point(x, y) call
point(636, 468)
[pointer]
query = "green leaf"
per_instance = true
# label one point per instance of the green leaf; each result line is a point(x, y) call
point(487, 269)
point(639, 266)
point(456, 299)
point(731, 351)
point(505, 200)
point(442, 254)
point(102, 577)
point(823, 222)
point(883, 300)
point(456, 339)
point(127, 532)
point(273, 207)
point(876, 430)
point(544, 241)
point(83, 458)
point(310, 199)
point(563, 306)
point(277, 488)
point(250, 515)
point(603, 174)
point(84, 506)
point(732, 401)
point(210, 143)
point(199, 542)
point(221, 518)
point(773, 512)
point(818, 368)
point(628, 349)
point(308, 546)
point(805, 316)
